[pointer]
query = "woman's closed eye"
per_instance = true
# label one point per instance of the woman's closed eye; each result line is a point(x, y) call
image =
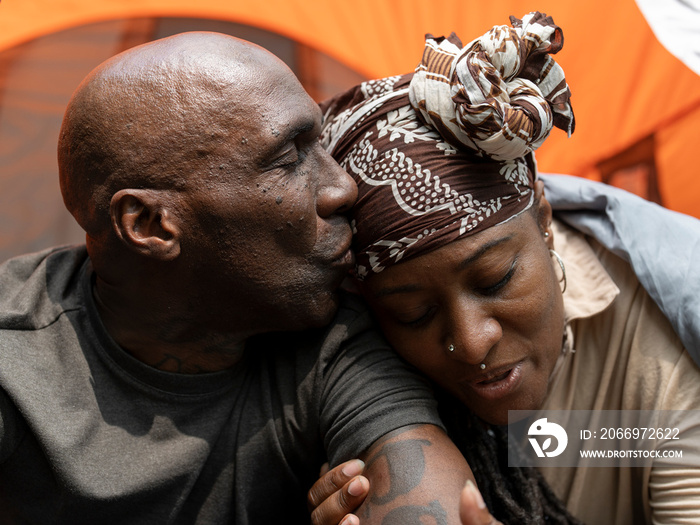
point(502, 282)
point(416, 318)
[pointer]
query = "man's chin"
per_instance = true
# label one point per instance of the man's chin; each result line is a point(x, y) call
point(321, 312)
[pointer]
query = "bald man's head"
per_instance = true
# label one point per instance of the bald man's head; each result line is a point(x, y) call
point(194, 165)
point(149, 116)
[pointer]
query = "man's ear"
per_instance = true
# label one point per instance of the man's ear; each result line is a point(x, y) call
point(143, 222)
point(544, 214)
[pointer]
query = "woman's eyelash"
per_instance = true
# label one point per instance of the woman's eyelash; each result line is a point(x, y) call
point(489, 290)
point(421, 320)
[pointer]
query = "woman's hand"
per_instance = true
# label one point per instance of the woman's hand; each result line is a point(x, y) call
point(472, 509)
point(342, 490)
point(338, 493)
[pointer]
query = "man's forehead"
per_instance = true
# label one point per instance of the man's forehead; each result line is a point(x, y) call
point(236, 77)
point(227, 85)
point(190, 58)
point(278, 108)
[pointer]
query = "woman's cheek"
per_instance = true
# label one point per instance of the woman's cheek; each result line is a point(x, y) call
point(419, 351)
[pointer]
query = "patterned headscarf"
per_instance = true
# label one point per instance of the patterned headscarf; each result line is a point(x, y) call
point(447, 151)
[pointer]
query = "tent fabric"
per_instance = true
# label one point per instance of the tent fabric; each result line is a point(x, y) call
point(37, 79)
point(676, 23)
point(630, 93)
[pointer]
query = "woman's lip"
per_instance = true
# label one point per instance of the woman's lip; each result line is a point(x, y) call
point(493, 373)
point(495, 387)
point(498, 377)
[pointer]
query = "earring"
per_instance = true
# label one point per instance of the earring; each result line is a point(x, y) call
point(482, 366)
point(546, 235)
point(561, 265)
point(451, 348)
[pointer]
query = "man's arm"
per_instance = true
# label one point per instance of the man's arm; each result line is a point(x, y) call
point(416, 473)
point(375, 406)
point(341, 491)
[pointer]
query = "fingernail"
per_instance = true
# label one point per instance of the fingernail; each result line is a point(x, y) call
point(355, 487)
point(476, 494)
point(353, 468)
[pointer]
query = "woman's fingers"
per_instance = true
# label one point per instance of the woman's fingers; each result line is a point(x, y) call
point(337, 494)
point(472, 509)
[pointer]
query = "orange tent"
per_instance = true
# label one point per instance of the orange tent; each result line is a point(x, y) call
point(637, 105)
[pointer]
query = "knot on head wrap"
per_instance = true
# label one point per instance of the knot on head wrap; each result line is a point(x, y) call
point(424, 178)
point(501, 94)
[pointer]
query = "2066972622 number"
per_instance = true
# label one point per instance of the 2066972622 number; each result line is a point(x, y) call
point(639, 433)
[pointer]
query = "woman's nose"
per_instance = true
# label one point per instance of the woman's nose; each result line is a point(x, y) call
point(473, 332)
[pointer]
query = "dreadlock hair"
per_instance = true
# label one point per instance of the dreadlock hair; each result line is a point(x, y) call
point(514, 495)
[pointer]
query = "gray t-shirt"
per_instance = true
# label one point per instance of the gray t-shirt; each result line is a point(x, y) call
point(88, 434)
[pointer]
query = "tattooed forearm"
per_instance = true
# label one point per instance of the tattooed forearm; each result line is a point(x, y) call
point(405, 461)
point(413, 514)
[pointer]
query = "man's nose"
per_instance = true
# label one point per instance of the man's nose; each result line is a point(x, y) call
point(337, 190)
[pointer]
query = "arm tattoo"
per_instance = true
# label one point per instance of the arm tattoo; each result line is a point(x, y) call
point(406, 463)
point(413, 514)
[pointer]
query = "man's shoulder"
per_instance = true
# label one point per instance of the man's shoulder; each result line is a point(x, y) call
point(353, 321)
point(351, 331)
point(352, 309)
point(38, 287)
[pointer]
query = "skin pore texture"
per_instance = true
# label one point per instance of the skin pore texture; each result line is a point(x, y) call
point(212, 214)
point(211, 211)
point(496, 297)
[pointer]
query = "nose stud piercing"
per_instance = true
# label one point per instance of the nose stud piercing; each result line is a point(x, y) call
point(451, 349)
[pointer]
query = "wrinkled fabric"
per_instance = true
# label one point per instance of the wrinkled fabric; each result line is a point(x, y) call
point(662, 246)
point(415, 191)
point(624, 356)
point(418, 188)
point(501, 94)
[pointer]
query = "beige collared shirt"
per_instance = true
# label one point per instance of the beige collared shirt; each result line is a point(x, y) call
point(622, 355)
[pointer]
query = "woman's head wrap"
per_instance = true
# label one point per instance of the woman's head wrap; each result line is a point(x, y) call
point(447, 151)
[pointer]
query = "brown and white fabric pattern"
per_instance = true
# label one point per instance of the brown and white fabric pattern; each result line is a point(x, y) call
point(419, 189)
point(499, 95)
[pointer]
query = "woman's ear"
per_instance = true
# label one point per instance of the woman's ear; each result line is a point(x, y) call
point(142, 220)
point(544, 214)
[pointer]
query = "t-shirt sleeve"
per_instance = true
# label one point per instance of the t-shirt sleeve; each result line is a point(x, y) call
point(674, 491)
point(368, 390)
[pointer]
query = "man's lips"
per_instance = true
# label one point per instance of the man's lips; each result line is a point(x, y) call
point(344, 257)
